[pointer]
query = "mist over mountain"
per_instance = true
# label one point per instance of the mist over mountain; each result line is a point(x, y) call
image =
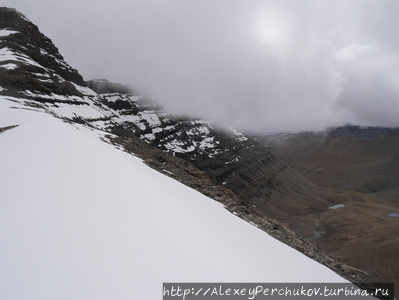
point(261, 67)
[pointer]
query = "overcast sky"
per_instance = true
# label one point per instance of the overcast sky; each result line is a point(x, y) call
point(260, 66)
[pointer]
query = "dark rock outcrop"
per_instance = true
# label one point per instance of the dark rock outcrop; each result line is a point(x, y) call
point(104, 86)
point(48, 72)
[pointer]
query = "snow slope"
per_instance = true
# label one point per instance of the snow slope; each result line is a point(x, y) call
point(80, 219)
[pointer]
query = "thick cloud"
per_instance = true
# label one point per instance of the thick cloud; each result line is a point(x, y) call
point(261, 66)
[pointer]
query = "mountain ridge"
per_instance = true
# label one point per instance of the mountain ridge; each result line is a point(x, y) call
point(31, 60)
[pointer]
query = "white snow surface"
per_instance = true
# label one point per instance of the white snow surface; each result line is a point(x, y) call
point(80, 219)
point(84, 90)
point(9, 66)
point(8, 54)
point(7, 32)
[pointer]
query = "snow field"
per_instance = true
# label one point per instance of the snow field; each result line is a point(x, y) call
point(80, 219)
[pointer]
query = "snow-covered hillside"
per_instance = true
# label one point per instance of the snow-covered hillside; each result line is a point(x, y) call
point(265, 186)
point(80, 219)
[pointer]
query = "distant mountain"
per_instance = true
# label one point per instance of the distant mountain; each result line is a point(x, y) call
point(356, 131)
point(222, 163)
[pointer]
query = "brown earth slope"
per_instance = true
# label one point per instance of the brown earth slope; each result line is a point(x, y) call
point(360, 233)
point(366, 165)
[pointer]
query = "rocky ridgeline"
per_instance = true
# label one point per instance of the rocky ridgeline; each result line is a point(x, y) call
point(30, 62)
point(104, 86)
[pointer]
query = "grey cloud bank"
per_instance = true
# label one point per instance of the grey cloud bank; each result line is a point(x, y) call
point(259, 66)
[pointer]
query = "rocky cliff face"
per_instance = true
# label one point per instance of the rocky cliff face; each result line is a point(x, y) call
point(104, 86)
point(30, 61)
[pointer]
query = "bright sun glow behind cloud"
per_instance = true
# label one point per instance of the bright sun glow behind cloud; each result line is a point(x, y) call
point(271, 28)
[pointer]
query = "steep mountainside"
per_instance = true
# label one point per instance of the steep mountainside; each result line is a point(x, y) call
point(235, 166)
point(227, 157)
point(80, 219)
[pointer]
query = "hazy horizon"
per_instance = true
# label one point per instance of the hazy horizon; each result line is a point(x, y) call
point(259, 66)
